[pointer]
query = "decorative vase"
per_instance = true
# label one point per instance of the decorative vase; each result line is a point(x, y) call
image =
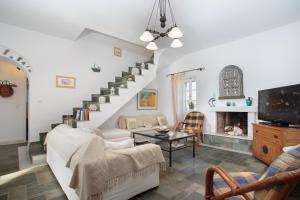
point(249, 101)
point(228, 103)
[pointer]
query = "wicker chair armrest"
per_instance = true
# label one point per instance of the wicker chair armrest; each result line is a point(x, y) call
point(289, 179)
point(209, 194)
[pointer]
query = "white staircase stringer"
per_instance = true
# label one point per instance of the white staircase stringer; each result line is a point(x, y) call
point(118, 101)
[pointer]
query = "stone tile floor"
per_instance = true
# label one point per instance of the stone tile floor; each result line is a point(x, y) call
point(9, 161)
point(185, 180)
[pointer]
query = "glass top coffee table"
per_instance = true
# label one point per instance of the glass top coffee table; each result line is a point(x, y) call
point(169, 140)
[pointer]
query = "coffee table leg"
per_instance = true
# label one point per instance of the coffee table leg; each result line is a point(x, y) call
point(194, 146)
point(170, 154)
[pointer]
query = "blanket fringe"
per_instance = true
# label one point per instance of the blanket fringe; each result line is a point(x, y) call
point(110, 184)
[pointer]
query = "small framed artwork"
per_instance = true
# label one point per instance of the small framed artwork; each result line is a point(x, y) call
point(147, 99)
point(118, 51)
point(65, 82)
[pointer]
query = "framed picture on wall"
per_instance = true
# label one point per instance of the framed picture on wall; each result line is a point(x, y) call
point(65, 82)
point(147, 99)
point(118, 51)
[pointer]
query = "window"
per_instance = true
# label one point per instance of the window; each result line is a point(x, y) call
point(190, 95)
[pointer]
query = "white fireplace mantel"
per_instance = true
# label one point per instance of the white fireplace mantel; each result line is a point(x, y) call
point(251, 110)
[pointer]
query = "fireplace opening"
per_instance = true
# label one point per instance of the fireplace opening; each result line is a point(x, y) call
point(232, 123)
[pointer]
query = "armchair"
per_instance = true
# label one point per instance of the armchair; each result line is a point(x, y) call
point(275, 184)
point(192, 123)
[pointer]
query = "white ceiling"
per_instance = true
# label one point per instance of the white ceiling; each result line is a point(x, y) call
point(204, 23)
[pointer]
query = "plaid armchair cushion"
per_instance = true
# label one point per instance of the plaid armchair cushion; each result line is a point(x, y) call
point(287, 161)
point(242, 178)
point(192, 121)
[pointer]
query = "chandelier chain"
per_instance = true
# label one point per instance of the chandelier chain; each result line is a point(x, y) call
point(172, 14)
point(151, 14)
point(155, 18)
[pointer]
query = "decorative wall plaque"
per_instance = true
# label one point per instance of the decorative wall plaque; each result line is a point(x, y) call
point(231, 83)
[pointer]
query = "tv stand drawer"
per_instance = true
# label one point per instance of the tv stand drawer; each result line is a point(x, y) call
point(272, 135)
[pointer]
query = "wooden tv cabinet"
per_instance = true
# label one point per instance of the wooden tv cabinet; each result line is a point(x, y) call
point(268, 141)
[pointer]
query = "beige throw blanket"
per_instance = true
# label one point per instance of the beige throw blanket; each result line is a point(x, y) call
point(144, 155)
point(96, 171)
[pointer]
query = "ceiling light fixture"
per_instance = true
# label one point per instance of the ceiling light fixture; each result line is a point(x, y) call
point(152, 34)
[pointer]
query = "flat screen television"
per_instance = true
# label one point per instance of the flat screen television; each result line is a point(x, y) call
point(280, 105)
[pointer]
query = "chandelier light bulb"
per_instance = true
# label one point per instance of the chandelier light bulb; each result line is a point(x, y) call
point(146, 36)
point(176, 43)
point(175, 33)
point(152, 46)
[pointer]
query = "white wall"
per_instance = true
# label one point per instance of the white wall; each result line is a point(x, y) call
point(268, 59)
point(130, 109)
point(13, 109)
point(50, 56)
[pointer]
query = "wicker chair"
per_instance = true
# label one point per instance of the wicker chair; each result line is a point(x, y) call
point(275, 184)
point(192, 123)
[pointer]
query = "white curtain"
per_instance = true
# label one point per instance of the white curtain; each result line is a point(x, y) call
point(177, 97)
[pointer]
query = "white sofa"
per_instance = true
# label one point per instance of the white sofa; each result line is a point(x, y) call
point(140, 123)
point(63, 142)
point(143, 122)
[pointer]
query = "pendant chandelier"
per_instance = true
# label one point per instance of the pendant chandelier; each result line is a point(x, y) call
point(151, 34)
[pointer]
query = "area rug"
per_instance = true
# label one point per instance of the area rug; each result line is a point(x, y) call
point(35, 183)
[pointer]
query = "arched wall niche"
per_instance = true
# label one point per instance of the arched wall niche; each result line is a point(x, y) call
point(14, 57)
point(21, 63)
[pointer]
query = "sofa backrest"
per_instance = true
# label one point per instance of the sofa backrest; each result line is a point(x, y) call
point(140, 120)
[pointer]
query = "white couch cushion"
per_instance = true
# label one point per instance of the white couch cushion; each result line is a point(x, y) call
point(162, 121)
point(115, 133)
point(131, 123)
point(125, 144)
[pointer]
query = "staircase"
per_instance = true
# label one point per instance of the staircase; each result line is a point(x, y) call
point(125, 87)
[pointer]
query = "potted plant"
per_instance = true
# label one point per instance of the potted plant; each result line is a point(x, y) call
point(191, 105)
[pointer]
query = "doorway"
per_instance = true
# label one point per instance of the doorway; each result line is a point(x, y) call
point(14, 109)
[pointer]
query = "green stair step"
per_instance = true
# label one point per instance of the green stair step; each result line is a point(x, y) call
point(36, 148)
point(43, 137)
point(55, 125)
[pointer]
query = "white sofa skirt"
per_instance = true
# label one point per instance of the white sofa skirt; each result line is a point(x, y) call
point(130, 188)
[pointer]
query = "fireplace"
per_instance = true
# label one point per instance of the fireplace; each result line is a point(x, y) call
point(232, 123)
